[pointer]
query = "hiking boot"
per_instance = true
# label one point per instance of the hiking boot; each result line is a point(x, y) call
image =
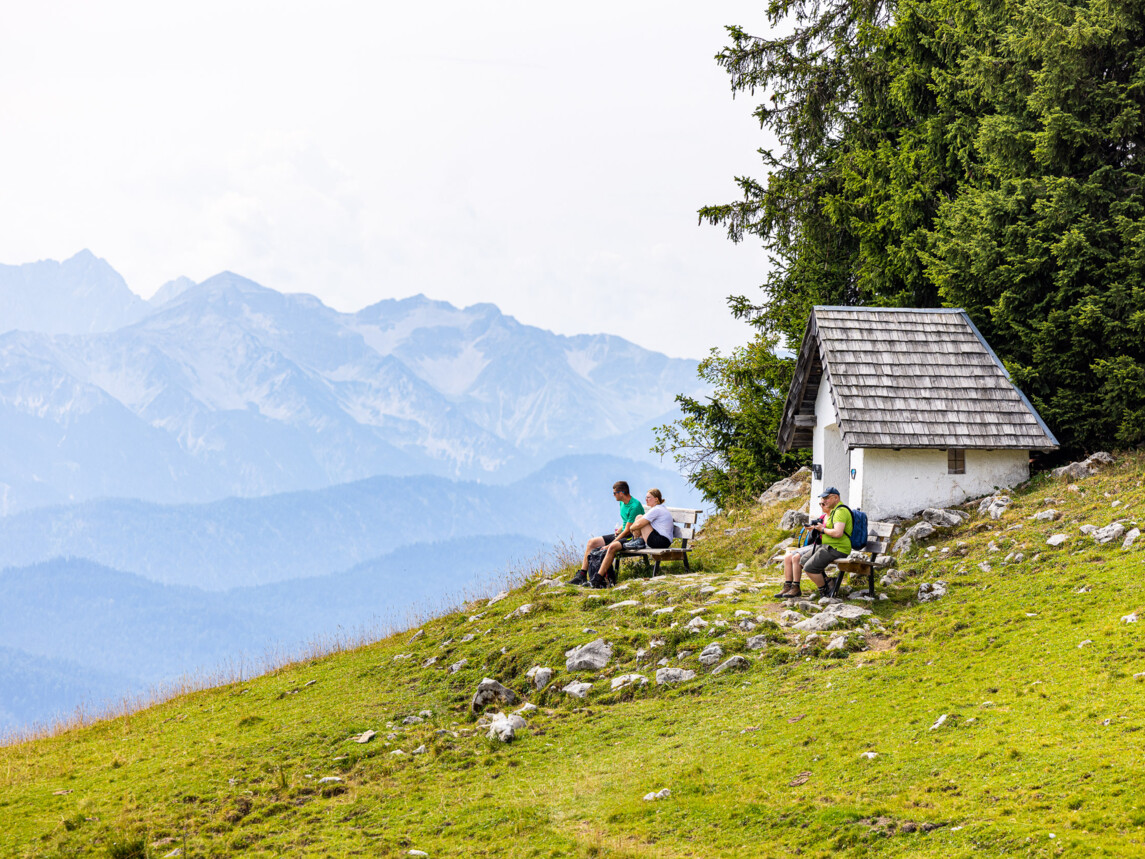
point(783, 593)
point(793, 593)
point(581, 578)
point(825, 591)
point(597, 581)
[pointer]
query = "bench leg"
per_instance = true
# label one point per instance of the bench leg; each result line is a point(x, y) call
point(656, 569)
point(686, 567)
point(871, 582)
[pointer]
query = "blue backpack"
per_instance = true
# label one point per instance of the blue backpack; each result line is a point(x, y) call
point(858, 533)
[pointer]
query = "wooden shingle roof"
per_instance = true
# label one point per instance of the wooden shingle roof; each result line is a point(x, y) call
point(903, 378)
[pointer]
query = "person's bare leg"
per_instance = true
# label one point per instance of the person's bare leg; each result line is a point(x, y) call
point(594, 543)
point(642, 531)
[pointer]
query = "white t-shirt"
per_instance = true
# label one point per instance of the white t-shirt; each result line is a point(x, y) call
point(661, 520)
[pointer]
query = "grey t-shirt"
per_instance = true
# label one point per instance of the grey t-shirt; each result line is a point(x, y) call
point(661, 520)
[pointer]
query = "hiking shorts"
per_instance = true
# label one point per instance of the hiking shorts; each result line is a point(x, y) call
point(820, 558)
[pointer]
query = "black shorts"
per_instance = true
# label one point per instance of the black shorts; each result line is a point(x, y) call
point(608, 538)
point(656, 540)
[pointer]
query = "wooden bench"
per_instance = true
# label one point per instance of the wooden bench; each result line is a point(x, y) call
point(878, 541)
point(684, 521)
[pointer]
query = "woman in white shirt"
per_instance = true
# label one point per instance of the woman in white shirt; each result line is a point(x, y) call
point(654, 527)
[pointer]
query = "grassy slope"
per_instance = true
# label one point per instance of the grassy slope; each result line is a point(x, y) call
point(237, 767)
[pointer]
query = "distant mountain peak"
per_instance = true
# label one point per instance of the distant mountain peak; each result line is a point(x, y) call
point(171, 290)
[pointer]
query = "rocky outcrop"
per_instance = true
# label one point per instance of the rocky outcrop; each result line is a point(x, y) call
point(796, 485)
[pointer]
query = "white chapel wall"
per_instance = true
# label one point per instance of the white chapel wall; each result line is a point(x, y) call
point(828, 450)
point(902, 482)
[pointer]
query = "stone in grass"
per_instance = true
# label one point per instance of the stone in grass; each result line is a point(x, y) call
point(757, 642)
point(365, 736)
point(457, 666)
point(625, 604)
point(521, 611)
point(869, 755)
point(420, 750)
point(502, 595)
point(588, 657)
point(504, 728)
point(790, 618)
point(540, 676)
point(939, 722)
point(1057, 539)
point(488, 691)
point(1130, 538)
point(711, 654)
point(1130, 618)
point(652, 796)
point(577, 689)
point(629, 680)
point(818, 623)
point(844, 611)
point(673, 675)
point(330, 779)
point(417, 853)
point(431, 661)
point(696, 623)
point(412, 720)
point(930, 591)
point(735, 663)
point(1109, 533)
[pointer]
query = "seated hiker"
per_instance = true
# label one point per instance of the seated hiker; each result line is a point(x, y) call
point(794, 558)
point(630, 508)
point(653, 529)
point(835, 530)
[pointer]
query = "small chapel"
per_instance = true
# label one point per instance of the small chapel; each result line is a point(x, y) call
point(905, 409)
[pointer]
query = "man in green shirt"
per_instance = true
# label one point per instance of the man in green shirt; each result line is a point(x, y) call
point(630, 508)
point(836, 530)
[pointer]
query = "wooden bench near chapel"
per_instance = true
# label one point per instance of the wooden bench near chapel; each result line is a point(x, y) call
point(684, 529)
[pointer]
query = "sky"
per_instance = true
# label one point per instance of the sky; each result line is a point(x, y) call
point(547, 158)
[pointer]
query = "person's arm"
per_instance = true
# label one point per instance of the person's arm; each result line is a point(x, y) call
point(836, 530)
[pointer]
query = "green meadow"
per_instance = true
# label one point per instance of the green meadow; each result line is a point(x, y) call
point(804, 751)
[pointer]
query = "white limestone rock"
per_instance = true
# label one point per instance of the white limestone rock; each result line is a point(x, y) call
point(917, 532)
point(1111, 532)
point(790, 618)
point(930, 591)
point(665, 676)
point(629, 680)
point(943, 518)
point(734, 663)
point(757, 642)
point(711, 654)
point(577, 689)
point(488, 691)
point(588, 657)
point(819, 623)
point(1057, 539)
point(1130, 538)
point(540, 675)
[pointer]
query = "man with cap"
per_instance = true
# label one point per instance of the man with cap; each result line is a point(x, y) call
point(836, 530)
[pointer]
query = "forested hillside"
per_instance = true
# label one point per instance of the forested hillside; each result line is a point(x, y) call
point(941, 153)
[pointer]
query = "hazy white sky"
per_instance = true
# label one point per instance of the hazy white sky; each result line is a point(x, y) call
point(547, 158)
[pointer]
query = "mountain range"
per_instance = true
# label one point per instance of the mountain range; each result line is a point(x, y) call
point(225, 471)
point(228, 388)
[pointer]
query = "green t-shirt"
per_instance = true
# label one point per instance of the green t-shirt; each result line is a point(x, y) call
point(629, 510)
point(839, 514)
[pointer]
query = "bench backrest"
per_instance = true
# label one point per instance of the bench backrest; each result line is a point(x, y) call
point(879, 537)
point(685, 519)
